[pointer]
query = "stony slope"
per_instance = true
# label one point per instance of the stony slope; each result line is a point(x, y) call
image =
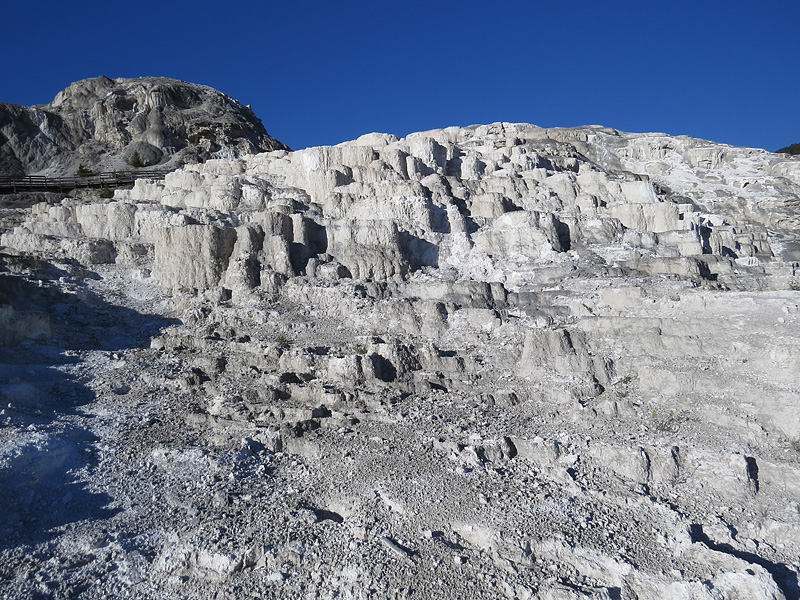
point(496, 361)
point(101, 122)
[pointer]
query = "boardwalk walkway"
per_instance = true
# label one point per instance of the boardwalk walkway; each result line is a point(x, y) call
point(109, 179)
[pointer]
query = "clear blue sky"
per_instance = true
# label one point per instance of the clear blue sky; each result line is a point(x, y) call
point(322, 72)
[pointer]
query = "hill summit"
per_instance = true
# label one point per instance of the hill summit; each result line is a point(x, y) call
point(102, 123)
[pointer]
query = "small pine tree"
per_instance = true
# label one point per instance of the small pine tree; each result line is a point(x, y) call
point(106, 192)
point(794, 149)
point(83, 171)
point(136, 160)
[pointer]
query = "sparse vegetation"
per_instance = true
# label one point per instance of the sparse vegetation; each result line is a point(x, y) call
point(669, 423)
point(622, 389)
point(136, 160)
point(106, 192)
point(83, 170)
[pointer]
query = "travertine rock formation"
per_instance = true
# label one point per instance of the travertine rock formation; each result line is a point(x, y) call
point(497, 361)
point(101, 122)
point(507, 204)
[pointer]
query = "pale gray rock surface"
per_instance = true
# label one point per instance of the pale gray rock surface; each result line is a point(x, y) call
point(497, 361)
point(101, 122)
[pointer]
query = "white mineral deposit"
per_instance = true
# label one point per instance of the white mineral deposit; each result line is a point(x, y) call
point(496, 361)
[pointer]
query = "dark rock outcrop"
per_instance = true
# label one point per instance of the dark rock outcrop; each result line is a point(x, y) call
point(102, 123)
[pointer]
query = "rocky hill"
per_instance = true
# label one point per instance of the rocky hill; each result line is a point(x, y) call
point(101, 122)
point(497, 361)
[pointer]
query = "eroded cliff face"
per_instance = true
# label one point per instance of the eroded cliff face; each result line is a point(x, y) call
point(493, 361)
point(101, 122)
point(509, 204)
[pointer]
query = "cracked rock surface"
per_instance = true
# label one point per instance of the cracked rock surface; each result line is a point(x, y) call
point(498, 361)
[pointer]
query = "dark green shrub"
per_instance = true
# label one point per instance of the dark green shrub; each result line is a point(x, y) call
point(83, 171)
point(136, 160)
point(106, 192)
point(794, 149)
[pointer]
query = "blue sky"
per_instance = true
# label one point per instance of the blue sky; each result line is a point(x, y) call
point(325, 72)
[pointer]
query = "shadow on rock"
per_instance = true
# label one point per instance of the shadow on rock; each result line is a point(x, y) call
point(37, 488)
point(35, 378)
point(785, 578)
point(43, 378)
point(48, 305)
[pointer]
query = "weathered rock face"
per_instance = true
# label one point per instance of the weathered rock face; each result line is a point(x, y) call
point(504, 203)
point(101, 122)
point(496, 361)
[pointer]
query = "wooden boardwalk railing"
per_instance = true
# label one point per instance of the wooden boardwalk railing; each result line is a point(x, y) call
point(110, 179)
